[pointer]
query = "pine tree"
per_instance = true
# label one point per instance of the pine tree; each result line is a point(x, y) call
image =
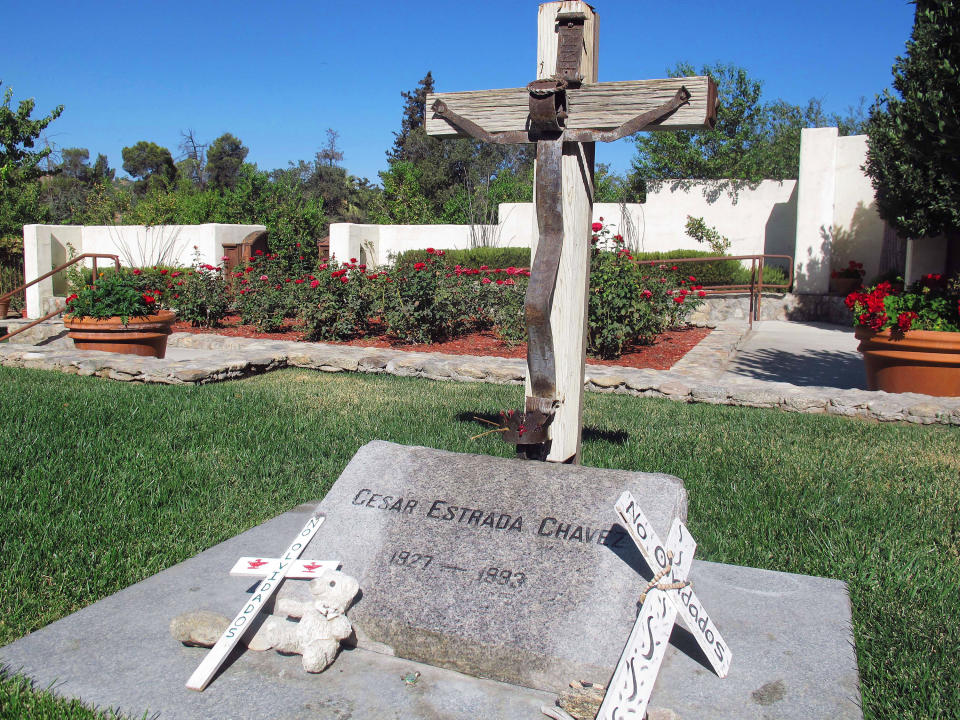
point(914, 146)
point(414, 109)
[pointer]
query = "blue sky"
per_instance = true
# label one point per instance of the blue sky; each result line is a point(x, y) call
point(278, 74)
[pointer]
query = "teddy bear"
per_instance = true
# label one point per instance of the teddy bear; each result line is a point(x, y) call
point(321, 626)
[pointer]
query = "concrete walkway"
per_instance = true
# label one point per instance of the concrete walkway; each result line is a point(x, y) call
point(804, 354)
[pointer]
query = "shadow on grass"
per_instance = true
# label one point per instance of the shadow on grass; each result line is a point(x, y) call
point(489, 421)
point(829, 368)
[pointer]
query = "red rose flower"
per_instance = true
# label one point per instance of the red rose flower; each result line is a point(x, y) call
point(597, 227)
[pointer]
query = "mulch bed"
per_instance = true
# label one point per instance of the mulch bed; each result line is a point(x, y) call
point(662, 355)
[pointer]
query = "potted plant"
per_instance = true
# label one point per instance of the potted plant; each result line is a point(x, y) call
point(848, 279)
point(910, 339)
point(119, 313)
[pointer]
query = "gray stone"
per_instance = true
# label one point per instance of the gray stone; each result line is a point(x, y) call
point(422, 529)
point(709, 393)
point(924, 410)
point(756, 398)
point(606, 379)
point(675, 388)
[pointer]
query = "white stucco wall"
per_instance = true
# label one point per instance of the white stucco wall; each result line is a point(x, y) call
point(924, 257)
point(45, 247)
point(857, 232)
point(837, 219)
point(375, 244)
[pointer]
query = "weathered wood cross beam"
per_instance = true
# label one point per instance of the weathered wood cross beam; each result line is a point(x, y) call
point(564, 112)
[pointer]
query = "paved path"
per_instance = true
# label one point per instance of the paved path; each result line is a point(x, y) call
point(804, 354)
point(807, 368)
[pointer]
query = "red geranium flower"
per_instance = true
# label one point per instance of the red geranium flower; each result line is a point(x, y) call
point(148, 298)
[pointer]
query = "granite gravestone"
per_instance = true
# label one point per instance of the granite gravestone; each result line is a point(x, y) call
point(489, 566)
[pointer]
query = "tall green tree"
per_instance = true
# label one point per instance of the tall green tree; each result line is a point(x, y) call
point(913, 155)
point(151, 163)
point(224, 158)
point(752, 140)
point(457, 180)
point(20, 164)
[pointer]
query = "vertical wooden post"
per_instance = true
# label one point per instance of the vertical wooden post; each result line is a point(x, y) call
point(568, 316)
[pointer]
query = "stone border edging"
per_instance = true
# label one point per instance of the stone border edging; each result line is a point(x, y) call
point(692, 379)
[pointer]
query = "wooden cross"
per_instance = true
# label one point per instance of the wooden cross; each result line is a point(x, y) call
point(565, 112)
point(667, 596)
point(280, 568)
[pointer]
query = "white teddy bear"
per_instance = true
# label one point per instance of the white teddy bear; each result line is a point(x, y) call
point(316, 636)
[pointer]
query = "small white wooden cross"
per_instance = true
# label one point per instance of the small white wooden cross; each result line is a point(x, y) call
point(667, 595)
point(273, 571)
point(299, 569)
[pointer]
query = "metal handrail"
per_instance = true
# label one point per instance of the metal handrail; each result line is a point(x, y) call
point(59, 268)
point(756, 285)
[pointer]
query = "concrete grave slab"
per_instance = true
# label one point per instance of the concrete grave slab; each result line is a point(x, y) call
point(790, 635)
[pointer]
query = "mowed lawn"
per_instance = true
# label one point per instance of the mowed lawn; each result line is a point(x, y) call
point(103, 484)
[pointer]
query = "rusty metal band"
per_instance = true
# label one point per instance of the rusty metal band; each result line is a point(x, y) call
point(470, 128)
point(548, 105)
point(633, 125)
point(543, 273)
point(570, 46)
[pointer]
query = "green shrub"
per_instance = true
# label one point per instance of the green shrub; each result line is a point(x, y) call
point(338, 303)
point(260, 295)
point(420, 306)
point(121, 294)
point(714, 272)
point(634, 303)
point(198, 294)
point(492, 257)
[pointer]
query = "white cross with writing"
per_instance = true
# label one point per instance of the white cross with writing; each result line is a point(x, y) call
point(273, 571)
point(629, 690)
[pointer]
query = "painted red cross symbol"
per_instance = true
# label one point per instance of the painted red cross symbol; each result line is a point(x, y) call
point(265, 567)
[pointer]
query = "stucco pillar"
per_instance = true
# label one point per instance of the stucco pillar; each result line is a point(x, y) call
point(816, 193)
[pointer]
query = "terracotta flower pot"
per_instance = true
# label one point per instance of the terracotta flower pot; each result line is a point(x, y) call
point(922, 361)
point(145, 336)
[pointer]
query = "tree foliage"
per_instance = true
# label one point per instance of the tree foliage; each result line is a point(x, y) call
point(151, 163)
point(224, 159)
point(913, 155)
point(452, 180)
point(752, 140)
point(20, 163)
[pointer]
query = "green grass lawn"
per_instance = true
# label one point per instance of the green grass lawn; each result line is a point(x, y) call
point(106, 483)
